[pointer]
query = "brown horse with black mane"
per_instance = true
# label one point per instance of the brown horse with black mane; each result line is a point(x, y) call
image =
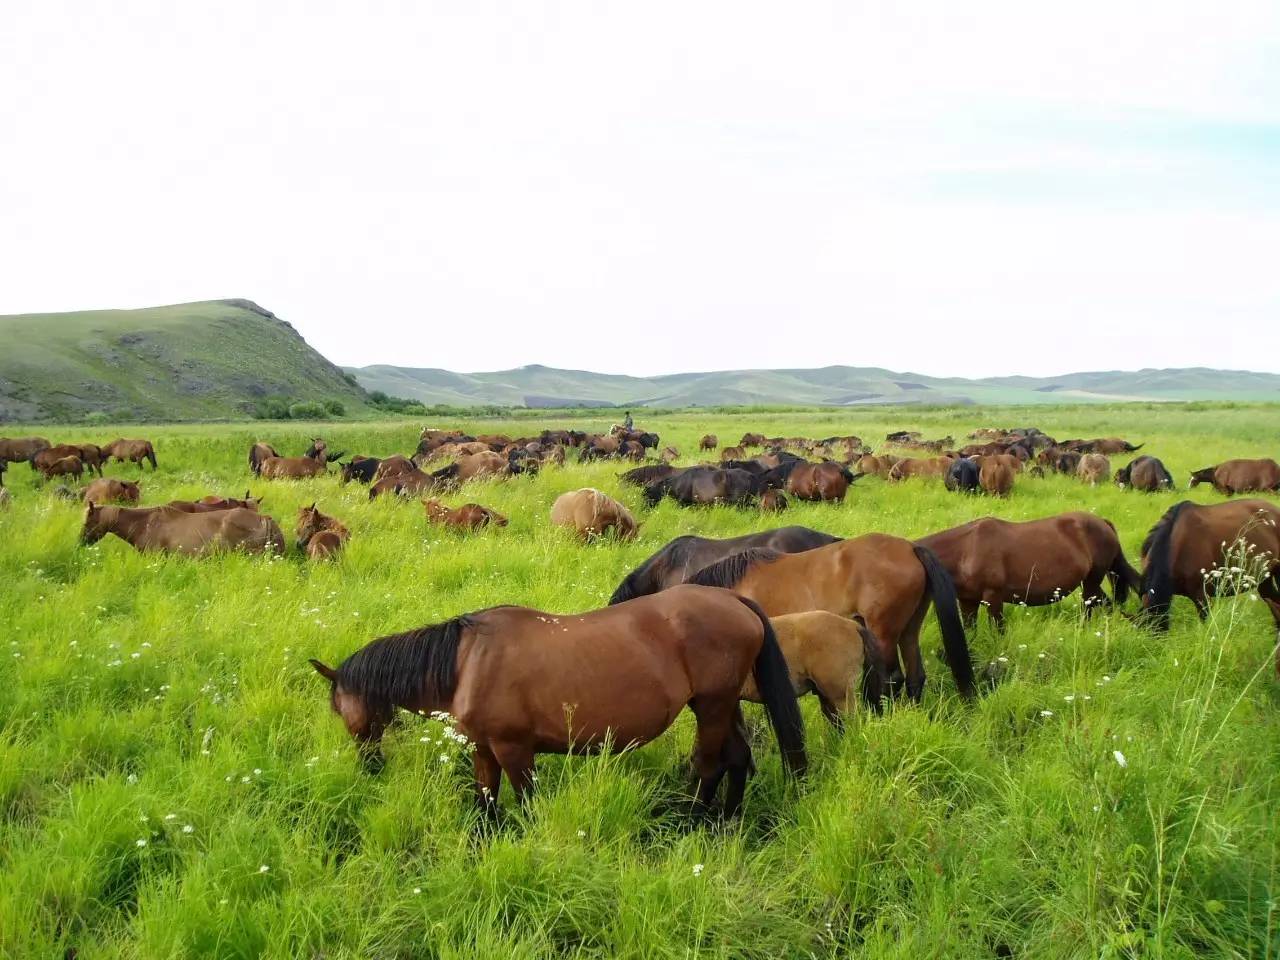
point(889, 581)
point(994, 562)
point(519, 682)
point(1240, 476)
point(684, 556)
point(1200, 551)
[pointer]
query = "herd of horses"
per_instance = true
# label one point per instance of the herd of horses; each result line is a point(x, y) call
point(705, 623)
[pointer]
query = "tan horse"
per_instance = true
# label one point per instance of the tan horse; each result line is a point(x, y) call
point(591, 514)
point(732, 453)
point(194, 534)
point(995, 473)
point(831, 656)
point(134, 451)
point(1094, 469)
point(292, 468)
point(110, 489)
point(919, 467)
point(469, 516)
point(392, 465)
point(321, 536)
point(889, 581)
point(520, 682)
point(878, 465)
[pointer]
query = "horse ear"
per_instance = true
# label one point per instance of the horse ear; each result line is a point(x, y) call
point(328, 673)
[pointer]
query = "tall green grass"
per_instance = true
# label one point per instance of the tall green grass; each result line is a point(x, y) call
point(172, 783)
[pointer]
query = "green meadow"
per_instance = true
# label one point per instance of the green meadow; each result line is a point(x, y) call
point(173, 784)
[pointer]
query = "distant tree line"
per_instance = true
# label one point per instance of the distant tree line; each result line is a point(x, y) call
point(282, 408)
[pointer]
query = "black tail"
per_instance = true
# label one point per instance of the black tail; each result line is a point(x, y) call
point(1123, 577)
point(943, 591)
point(773, 680)
point(875, 675)
point(448, 473)
point(330, 457)
point(151, 455)
point(1131, 448)
point(1157, 576)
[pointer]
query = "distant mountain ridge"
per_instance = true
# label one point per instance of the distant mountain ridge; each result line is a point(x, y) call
point(540, 386)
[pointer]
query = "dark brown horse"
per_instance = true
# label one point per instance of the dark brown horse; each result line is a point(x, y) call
point(518, 682)
point(1200, 551)
point(706, 486)
point(709, 442)
point(15, 449)
point(1146, 474)
point(684, 556)
point(994, 562)
point(1240, 476)
point(887, 580)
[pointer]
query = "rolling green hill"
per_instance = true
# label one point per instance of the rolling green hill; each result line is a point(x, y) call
point(190, 361)
point(539, 386)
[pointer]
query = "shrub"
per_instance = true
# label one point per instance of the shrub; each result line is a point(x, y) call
point(306, 410)
point(335, 408)
point(97, 417)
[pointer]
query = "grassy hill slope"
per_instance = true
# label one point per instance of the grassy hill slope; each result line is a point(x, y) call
point(536, 386)
point(188, 361)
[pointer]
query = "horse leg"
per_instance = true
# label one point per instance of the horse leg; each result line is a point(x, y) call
point(1092, 594)
point(1269, 590)
point(488, 776)
point(995, 610)
point(969, 613)
point(831, 711)
point(516, 760)
point(737, 758)
point(715, 726)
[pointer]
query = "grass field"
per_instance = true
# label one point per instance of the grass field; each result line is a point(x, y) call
point(172, 783)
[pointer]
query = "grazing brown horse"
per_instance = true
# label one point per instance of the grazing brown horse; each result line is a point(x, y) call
point(390, 466)
point(643, 476)
point(405, 484)
point(926, 467)
point(1240, 476)
point(1200, 551)
point(321, 536)
point(751, 440)
point(212, 503)
point(1094, 469)
point(669, 455)
point(15, 449)
point(111, 489)
point(257, 454)
point(134, 451)
point(709, 442)
point(995, 473)
point(684, 556)
point(887, 580)
point(773, 501)
point(830, 656)
point(591, 514)
point(469, 516)
point(732, 453)
point(878, 466)
point(474, 466)
point(994, 562)
point(519, 682)
point(816, 481)
point(195, 534)
point(1146, 474)
point(69, 466)
point(88, 454)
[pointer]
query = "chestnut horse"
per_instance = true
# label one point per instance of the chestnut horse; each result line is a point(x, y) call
point(1194, 548)
point(212, 503)
point(773, 501)
point(108, 489)
point(69, 466)
point(994, 562)
point(830, 656)
point(321, 536)
point(469, 516)
point(684, 556)
point(1240, 476)
point(195, 534)
point(519, 682)
point(133, 450)
point(813, 481)
point(887, 580)
point(257, 454)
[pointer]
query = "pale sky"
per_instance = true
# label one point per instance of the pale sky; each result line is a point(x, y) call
point(949, 188)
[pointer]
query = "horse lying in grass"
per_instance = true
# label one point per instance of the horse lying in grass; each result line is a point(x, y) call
point(591, 514)
point(109, 489)
point(1200, 551)
point(684, 556)
point(520, 682)
point(174, 531)
point(213, 503)
point(994, 562)
point(469, 516)
point(889, 581)
point(831, 656)
point(319, 535)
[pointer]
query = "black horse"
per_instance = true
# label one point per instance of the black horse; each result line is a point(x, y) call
point(706, 486)
point(360, 468)
point(962, 476)
point(685, 556)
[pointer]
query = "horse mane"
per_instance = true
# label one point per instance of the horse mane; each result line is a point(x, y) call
point(404, 667)
point(1157, 575)
point(730, 570)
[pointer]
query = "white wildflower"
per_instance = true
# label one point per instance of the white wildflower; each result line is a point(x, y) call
point(1120, 758)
